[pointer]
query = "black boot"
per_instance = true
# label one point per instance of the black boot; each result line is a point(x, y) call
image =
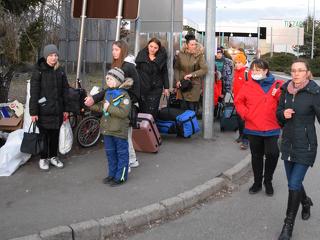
point(306, 204)
point(294, 200)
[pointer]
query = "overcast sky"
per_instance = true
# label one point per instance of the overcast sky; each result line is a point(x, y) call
point(250, 11)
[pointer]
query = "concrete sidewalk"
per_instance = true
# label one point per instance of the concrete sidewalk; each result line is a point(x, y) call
point(32, 201)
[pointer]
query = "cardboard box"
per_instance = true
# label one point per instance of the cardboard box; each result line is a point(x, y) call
point(11, 124)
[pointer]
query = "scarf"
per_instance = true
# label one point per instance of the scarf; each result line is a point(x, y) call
point(293, 89)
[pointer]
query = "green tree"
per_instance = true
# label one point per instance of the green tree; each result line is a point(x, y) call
point(31, 41)
point(17, 7)
point(306, 48)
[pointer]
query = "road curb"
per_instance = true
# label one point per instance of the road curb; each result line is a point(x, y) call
point(100, 229)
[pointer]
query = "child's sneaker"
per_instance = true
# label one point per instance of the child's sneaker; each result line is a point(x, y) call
point(56, 162)
point(44, 164)
point(244, 145)
point(134, 164)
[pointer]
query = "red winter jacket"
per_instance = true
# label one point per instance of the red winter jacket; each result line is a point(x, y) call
point(238, 80)
point(257, 108)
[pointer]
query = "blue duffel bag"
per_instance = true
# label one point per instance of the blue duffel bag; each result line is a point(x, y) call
point(167, 127)
point(187, 124)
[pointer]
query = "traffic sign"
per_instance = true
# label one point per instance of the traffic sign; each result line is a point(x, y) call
point(106, 9)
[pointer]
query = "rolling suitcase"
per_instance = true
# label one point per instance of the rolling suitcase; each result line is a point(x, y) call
point(146, 137)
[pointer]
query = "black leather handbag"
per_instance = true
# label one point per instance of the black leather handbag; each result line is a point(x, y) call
point(32, 142)
point(186, 85)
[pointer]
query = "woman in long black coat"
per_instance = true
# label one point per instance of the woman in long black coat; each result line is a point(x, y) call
point(152, 67)
point(299, 105)
point(47, 103)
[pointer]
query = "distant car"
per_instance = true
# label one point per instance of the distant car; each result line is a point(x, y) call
point(250, 51)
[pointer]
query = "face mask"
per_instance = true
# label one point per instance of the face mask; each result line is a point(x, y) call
point(257, 77)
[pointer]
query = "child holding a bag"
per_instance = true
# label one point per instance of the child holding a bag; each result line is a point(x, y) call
point(114, 125)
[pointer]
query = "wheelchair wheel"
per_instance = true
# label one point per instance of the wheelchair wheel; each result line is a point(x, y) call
point(88, 131)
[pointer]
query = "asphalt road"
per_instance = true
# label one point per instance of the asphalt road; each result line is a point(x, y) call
point(242, 216)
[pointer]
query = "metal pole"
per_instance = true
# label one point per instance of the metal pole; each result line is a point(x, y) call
point(119, 17)
point(312, 41)
point(271, 49)
point(308, 16)
point(137, 33)
point(298, 43)
point(208, 107)
point(83, 17)
point(170, 45)
point(258, 45)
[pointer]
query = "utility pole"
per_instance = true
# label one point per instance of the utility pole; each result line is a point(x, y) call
point(312, 41)
point(208, 107)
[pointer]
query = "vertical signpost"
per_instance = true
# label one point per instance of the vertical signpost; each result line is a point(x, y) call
point(83, 17)
point(111, 9)
point(208, 107)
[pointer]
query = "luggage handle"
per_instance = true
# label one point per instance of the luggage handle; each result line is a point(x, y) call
point(152, 127)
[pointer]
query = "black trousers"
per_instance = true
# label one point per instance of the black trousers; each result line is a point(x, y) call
point(265, 154)
point(50, 139)
point(150, 102)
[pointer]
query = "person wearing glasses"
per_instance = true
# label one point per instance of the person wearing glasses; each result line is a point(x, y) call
point(256, 103)
point(299, 105)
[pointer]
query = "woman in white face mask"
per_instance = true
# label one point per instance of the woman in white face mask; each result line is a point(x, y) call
point(256, 103)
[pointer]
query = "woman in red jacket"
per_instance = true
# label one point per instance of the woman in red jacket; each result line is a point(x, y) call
point(239, 79)
point(256, 103)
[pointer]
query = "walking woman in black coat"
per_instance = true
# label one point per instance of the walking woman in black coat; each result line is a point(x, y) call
point(152, 67)
point(298, 107)
point(47, 97)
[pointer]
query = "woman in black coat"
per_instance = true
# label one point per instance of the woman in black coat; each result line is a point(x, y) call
point(152, 67)
point(47, 97)
point(299, 105)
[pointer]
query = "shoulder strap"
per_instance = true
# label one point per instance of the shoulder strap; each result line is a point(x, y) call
point(246, 77)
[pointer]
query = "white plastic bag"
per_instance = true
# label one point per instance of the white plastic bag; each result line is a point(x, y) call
point(65, 137)
point(10, 156)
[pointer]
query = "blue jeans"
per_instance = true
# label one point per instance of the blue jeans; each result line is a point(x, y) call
point(295, 174)
point(118, 157)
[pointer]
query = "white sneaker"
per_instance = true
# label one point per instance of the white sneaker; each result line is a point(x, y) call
point(56, 162)
point(44, 164)
point(129, 169)
point(134, 164)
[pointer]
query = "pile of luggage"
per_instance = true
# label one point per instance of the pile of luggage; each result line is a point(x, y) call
point(146, 136)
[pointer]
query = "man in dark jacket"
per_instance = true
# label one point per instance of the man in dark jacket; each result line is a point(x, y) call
point(47, 98)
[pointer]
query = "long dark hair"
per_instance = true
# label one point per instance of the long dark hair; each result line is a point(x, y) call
point(124, 49)
point(156, 41)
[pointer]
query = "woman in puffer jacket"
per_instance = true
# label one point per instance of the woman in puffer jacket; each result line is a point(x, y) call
point(256, 103)
point(299, 106)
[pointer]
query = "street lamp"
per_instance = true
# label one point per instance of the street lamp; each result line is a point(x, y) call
point(312, 41)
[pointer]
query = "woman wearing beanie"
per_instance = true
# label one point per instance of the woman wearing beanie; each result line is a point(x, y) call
point(256, 103)
point(298, 107)
point(47, 109)
point(190, 66)
point(240, 77)
point(152, 66)
point(122, 59)
point(114, 125)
